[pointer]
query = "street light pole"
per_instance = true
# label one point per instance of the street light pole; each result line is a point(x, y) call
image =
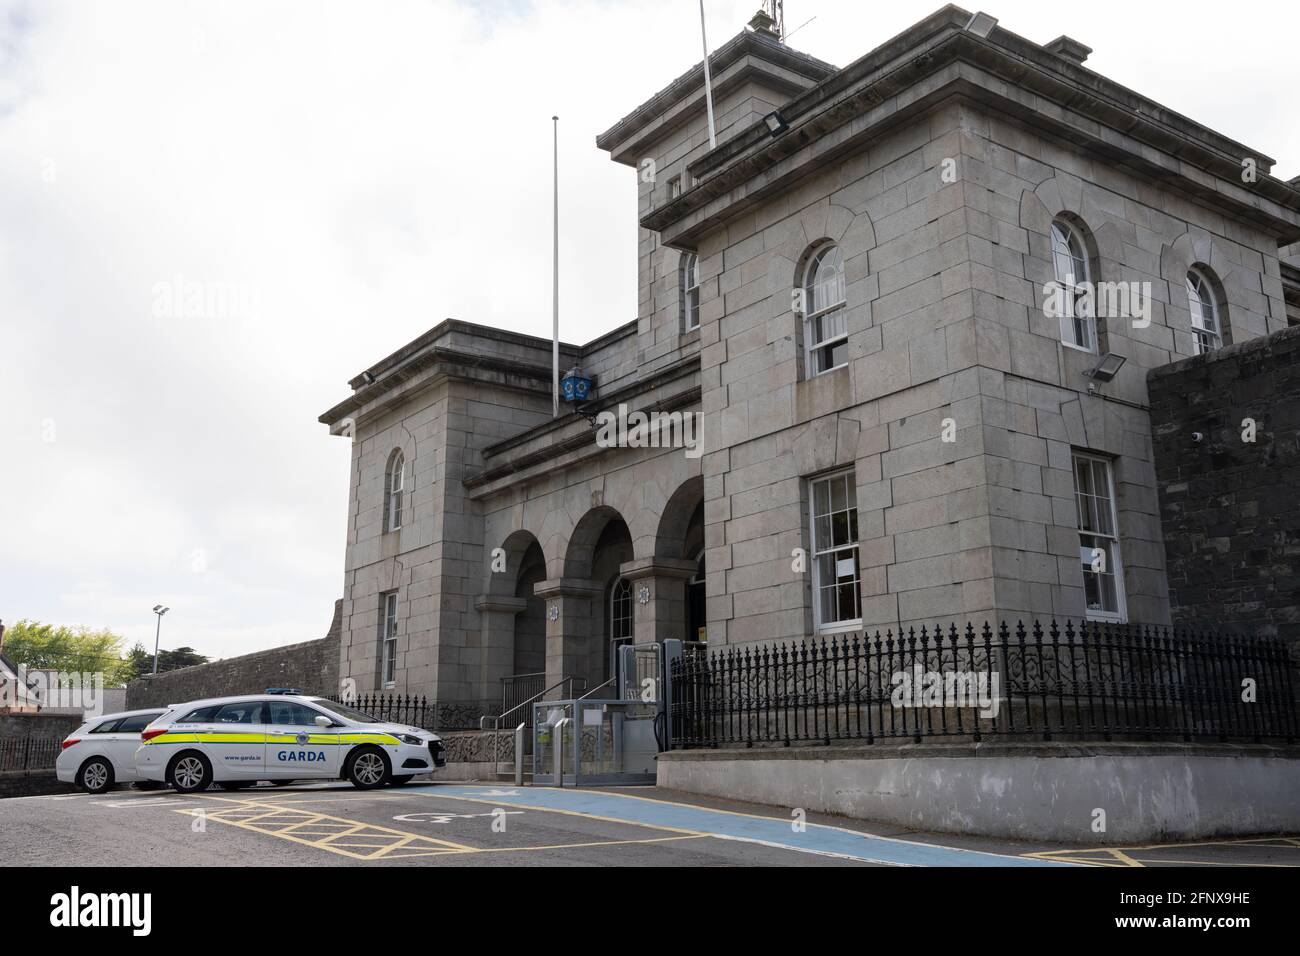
point(159, 610)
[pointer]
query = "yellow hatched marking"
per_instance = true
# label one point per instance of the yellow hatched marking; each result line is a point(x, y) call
point(408, 844)
point(333, 834)
point(1125, 856)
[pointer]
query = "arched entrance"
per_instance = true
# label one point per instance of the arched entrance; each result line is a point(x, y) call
point(513, 620)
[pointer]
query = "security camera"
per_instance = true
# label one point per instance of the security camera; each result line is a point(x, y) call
point(1197, 438)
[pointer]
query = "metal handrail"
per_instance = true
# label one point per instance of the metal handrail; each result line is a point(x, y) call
point(496, 721)
point(599, 687)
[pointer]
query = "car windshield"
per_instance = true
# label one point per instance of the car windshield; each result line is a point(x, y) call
point(345, 711)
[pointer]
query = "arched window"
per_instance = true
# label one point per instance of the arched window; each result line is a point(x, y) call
point(1074, 276)
point(394, 489)
point(825, 326)
point(690, 291)
point(620, 620)
point(620, 611)
point(1208, 328)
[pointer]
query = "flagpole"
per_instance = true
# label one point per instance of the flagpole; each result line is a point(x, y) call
point(708, 80)
point(555, 278)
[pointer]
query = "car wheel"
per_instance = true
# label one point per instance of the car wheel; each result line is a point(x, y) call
point(189, 772)
point(398, 781)
point(368, 768)
point(235, 785)
point(95, 775)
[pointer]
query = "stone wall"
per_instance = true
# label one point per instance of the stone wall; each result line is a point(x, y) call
point(39, 777)
point(1045, 791)
point(312, 667)
point(1231, 508)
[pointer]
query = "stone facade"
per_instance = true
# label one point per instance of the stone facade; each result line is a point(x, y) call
point(937, 165)
point(311, 667)
point(1230, 506)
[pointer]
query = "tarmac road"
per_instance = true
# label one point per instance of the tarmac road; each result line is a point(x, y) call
point(430, 824)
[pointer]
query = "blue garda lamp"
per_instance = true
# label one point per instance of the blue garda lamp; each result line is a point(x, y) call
point(575, 387)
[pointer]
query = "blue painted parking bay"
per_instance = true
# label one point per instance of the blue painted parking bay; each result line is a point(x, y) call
point(727, 825)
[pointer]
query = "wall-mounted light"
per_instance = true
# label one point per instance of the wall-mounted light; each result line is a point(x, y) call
point(1107, 368)
point(981, 24)
point(368, 378)
point(776, 124)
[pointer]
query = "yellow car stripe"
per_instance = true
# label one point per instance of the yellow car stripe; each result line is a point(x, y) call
point(238, 738)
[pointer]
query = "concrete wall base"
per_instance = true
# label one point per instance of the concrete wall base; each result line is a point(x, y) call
point(1048, 792)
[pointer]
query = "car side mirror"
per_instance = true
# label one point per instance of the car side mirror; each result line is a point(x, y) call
point(323, 721)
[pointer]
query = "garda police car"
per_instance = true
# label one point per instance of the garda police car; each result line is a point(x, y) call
point(281, 737)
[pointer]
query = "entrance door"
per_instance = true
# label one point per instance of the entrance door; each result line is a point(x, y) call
point(695, 617)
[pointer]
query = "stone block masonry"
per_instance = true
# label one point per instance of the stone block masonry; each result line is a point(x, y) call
point(1230, 507)
point(312, 667)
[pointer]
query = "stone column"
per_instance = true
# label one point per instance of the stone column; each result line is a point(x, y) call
point(497, 612)
point(659, 596)
point(574, 638)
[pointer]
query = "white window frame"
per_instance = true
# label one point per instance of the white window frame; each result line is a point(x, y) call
point(818, 312)
point(848, 550)
point(690, 279)
point(1196, 304)
point(396, 486)
point(1120, 614)
point(388, 638)
point(1068, 242)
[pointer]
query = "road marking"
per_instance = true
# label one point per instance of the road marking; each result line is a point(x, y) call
point(347, 837)
point(582, 846)
point(324, 832)
point(1124, 856)
point(684, 818)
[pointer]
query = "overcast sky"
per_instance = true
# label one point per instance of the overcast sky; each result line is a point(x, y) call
point(338, 178)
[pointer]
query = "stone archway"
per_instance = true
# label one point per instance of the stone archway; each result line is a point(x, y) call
point(578, 605)
point(513, 632)
point(664, 583)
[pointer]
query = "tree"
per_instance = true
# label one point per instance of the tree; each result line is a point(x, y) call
point(181, 657)
point(61, 648)
point(138, 662)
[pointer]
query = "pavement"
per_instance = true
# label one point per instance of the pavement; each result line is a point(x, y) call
point(432, 824)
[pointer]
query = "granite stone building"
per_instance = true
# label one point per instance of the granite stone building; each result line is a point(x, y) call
point(895, 294)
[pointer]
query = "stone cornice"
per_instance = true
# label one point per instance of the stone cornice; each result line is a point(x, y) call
point(658, 568)
point(519, 459)
point(417, 357)
point(507, 605)
point(447, 327)
point(750, 50)
point(434, 364)
point(937, 59)
point(568, 587)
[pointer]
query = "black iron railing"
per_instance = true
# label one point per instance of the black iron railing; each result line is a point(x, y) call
point(29, 753)
point(1085, 682)
point(416, 710)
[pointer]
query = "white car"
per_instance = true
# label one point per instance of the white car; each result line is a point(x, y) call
point(237, 741)
point(101, 752)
